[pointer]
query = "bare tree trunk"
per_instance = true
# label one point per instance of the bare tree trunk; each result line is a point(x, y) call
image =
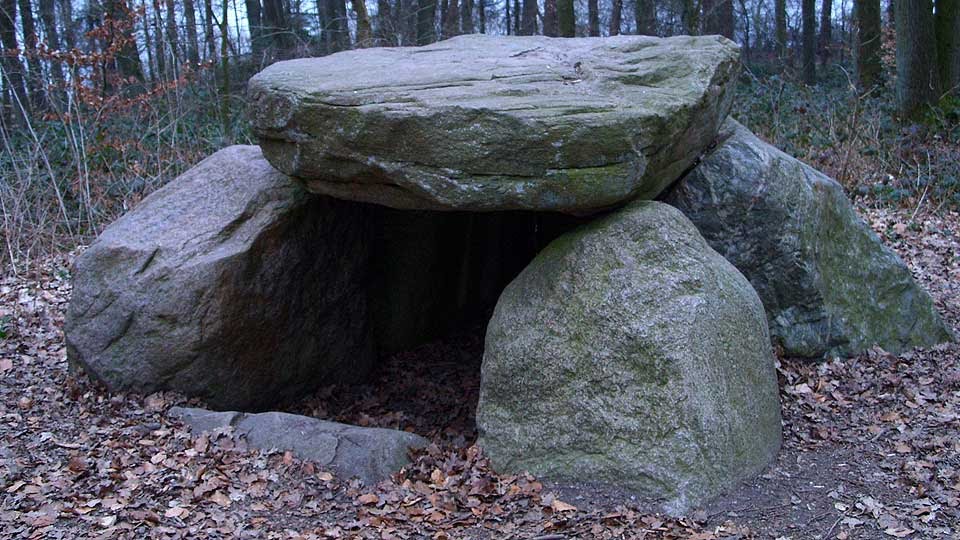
point(482, 11)
point(128, 57)
point(918, 81)
point(208, 29)
point(364, 31)
point(551, 27)
point(48, 18)
point(690, 16)
point(826, 30)
point(645, 15)
point(616, 13)
point(528, 22)
point(718, 17)
point(745, 15)
point(35, 79)
point(159, 50)
point(466, 16)
point(66, 20)
point(809, 45)
point(384, 23)
point(173, 38)
point(193, 47)
point(593, 18)
point(426, 21)
point(275, 29)
point(566, 18)
point(869, 68)
point(516, 17)
point(451, 19)
point(948, 44)
point(255, 27)
point(780, 18)
point(12, 67)
point(508, 19)
point(225, 71)
point(151, 61)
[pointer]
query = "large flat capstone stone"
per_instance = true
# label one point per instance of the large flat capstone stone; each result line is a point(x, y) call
point(497, 123)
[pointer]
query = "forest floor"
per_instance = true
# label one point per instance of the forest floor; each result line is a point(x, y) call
point(871, 446)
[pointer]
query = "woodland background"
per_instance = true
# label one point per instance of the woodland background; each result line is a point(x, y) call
point(105, 100)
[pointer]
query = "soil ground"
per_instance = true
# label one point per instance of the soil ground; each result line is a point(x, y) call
point(871, 446)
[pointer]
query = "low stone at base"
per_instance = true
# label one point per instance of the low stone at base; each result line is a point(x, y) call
point(370, 454)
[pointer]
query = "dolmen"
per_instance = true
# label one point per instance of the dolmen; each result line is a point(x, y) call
point(641, 252)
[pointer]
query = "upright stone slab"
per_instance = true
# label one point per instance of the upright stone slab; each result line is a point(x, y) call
point(497, 123)
point(629, 352)
point(827, 282)
point(230, 283)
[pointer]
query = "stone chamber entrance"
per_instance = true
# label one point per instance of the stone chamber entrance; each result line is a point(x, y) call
point(434, 281)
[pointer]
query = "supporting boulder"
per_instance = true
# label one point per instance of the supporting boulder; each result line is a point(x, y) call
point(829, 286)
point(629, 352)
point(230, 283)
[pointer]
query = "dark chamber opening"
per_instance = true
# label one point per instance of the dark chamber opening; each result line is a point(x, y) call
point(435, 279)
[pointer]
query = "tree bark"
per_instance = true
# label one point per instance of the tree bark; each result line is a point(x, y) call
point(516, 17)
point(593, 18)
point(616, 13)
point(255, 27)
point(208, 30)
point(566, 18)
point(509, 20)
point(159, 51)
point(869, 68)
point(35, 79)
point(780, 21)
point(466, 16)
point(193, 47)
point(826, 30)
point(128, 55)
point(364, 30)
point(482, 11)
point(948, 44)
point(809, 45)
point(48, 17)
point(551, 27)
point(718, 17)
point(690, 16)
point(173, 38)
point(918, 80)
point(225, 71)
point(451, 19)
point(384, 23)
point(275, 30)
point(13, 69)
point(426, 21)
point(337, 34)
point(528, 21)
point(645, 15)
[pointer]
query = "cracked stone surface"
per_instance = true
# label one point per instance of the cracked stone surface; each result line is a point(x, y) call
point(497, 123)
point(829, 285)
point(231, 283)
point(370, 454)
point(629, 352)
